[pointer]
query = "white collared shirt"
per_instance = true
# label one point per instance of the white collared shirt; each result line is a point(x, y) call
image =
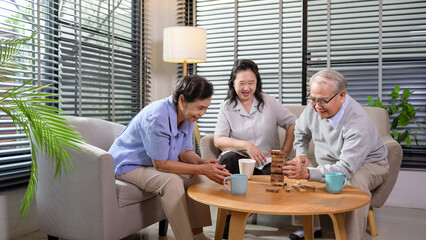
point(335, 120)
point(259, 128)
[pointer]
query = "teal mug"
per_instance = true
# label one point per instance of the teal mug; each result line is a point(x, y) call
point(335, 182)
point(238, 184)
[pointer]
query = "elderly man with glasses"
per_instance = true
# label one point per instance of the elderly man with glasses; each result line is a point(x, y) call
point(345, 139)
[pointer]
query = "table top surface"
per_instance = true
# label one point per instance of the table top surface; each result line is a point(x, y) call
point(258, 200)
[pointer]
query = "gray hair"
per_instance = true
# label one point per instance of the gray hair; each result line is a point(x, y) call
point(339, 82)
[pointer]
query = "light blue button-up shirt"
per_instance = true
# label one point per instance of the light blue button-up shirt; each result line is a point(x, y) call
point(152, 134)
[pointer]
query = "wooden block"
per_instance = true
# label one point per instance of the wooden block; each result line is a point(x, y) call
point(277, 159)
point(288, 189)
point(309, 187)
point(298, 188)
point(278, 184)
point(273, 189)
point(277, 170)
point(277, 165)
point(276, 152)
point(277, 177)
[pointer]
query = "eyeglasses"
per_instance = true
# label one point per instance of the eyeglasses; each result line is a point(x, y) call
point(319, 101)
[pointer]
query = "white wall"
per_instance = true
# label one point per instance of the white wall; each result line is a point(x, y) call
point(409, 190)
point(12, 226)
point(163, 74)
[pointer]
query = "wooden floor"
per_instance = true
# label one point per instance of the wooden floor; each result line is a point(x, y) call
point(393, 223)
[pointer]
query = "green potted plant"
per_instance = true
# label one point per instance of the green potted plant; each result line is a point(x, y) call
point(404, 113)
point(32, 113)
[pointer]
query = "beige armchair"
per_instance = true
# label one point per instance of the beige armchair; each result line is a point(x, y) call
point(91, 203)
point(380, 118)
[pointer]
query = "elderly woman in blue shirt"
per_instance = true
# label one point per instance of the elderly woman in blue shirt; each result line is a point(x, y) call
point(155, 153)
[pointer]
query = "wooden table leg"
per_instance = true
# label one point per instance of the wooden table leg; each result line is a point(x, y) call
point(339, 225)
point(237, 225)
point(308, 226)
point(220, 223)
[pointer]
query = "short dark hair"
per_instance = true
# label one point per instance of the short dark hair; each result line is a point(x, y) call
point(192, 87)
point(243, 65)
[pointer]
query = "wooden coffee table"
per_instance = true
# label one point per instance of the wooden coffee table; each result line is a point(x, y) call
point(257, 200)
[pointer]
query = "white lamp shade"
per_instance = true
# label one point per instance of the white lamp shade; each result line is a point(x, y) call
point(183, 43)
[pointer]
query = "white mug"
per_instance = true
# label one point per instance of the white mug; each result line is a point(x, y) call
point(246, 166)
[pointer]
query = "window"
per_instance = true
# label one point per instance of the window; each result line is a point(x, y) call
point(252, 30)
point(94, 53)
point(375, 44)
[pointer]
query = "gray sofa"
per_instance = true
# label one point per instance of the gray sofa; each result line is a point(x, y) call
point(380, 119)
point(91, 203)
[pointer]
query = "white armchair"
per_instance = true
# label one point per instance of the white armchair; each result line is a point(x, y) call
point(91, 203)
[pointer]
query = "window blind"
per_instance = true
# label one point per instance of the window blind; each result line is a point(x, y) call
point(404, 64)
point(100, 48)
point(96, 55)
point(267, 32)
point(20, 19)
point(375, 44)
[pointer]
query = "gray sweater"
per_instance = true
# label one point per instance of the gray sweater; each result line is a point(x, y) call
point(354, 141)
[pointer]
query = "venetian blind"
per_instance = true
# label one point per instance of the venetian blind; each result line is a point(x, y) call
point(95, 54)
point(19, 19)
point(100, 49)
point(267, 32)
point(375, 45)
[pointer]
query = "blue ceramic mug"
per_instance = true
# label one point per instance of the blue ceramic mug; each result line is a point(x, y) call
point(238, 184)
point(335, 182)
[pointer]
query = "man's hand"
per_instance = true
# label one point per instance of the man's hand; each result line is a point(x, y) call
point(297, 168)
point(303, 159)
point(214, 171)
point(255, 154)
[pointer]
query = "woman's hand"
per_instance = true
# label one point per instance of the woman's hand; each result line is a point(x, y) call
point(297, 167)
point(214, 171)
point(255, 153)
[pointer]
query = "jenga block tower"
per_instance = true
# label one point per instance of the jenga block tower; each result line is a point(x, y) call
point(277, 162)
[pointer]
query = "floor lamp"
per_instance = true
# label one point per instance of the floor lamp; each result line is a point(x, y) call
point(185, 44)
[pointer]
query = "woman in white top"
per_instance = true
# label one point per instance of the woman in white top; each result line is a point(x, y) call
point(247, 124)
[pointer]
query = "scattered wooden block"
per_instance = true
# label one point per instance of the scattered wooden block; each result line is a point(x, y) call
point(309, 187)
point(273, 189)
point(288, 189)
point(298, 187)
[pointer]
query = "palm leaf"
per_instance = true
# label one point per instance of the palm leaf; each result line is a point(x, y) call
point(44, 126)
point(10, 47)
